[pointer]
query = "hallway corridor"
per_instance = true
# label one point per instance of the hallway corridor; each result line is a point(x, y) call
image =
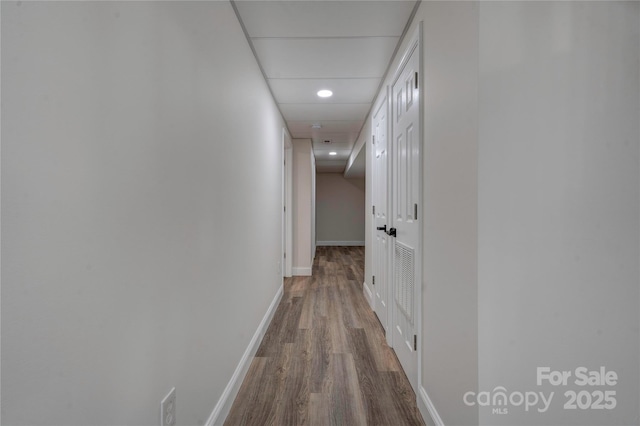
point(324, 359)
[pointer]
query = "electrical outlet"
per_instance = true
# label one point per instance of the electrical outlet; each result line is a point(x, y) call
point(168, 409)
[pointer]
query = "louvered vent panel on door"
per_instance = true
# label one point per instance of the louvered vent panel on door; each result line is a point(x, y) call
point(403, 265)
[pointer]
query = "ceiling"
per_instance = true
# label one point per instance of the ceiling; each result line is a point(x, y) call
point(304, 46)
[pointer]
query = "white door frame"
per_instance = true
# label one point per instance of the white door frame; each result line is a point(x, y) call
point(287, 206)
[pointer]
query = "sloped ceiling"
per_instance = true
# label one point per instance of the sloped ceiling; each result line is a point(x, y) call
point(305, 46)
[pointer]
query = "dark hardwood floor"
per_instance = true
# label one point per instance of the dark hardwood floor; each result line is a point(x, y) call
point(324, 359)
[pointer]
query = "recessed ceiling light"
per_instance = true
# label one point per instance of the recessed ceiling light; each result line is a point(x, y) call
point(325, 93)
point(316, 126)
point(333, 153)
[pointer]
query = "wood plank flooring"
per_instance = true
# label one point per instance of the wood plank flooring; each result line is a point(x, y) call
point(324, 359)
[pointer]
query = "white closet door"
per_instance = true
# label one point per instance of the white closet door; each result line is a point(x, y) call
point(380, 201)
point(405, 190)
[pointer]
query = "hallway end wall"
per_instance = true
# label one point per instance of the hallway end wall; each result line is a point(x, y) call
point(141, 167)
point(340, 209)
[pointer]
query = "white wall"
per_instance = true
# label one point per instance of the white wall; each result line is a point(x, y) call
point(356, 165)
point(531, 200)
point(303, 207)
point(137, 140)
point(450, 299)
point(558, 201)
point(340, 209)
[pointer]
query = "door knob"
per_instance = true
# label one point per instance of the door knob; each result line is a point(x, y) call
point(382, 228)
point(391, 232)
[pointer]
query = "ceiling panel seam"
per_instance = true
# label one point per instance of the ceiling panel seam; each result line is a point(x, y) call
point(324, 103)
point(322, 37)
point(324, 78)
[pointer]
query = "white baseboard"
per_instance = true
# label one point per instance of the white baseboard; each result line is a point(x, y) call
point(304, 271)
point(368, 294)
point(427, 409)
point(222, 408)
point(340, 243)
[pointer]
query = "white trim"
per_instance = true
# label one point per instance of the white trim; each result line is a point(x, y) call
point(223, 406)
point(301, 271)
point(283, 261)
point(340, 243)
point(427, 409)
point(368, 294)
point(418, 34)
